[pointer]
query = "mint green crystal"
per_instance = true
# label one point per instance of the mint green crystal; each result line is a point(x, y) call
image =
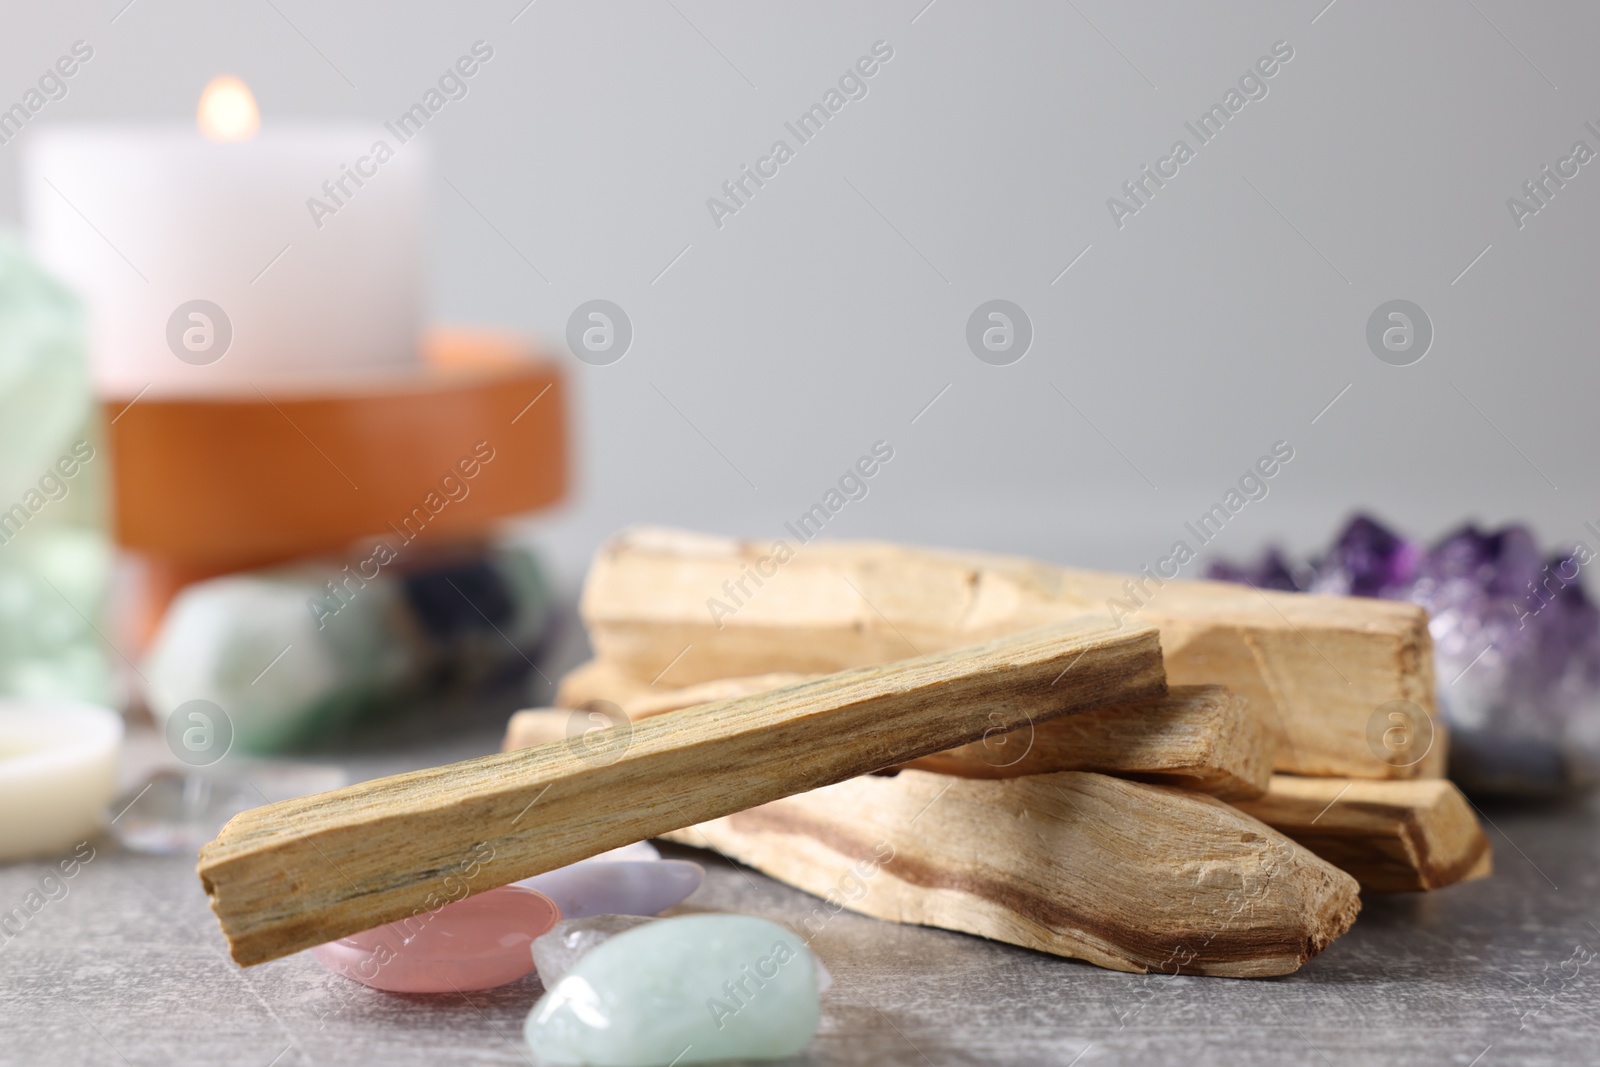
point(55, 557)
point(692, 989)
point(341, 658)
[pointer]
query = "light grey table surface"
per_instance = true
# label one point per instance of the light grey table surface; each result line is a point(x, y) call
point(130, 968)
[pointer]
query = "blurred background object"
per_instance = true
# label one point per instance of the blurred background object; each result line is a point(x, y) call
point(215, 279)
point(262, 418)
point(295, 655)
point(301, 477)
point(830, 310)
point(58, 768)
point(214, 482)
point(175, 812)
point(54, 555)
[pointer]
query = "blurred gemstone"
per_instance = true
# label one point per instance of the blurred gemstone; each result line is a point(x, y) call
point(55, 567)
point(1516, 643)
point(1368, 559)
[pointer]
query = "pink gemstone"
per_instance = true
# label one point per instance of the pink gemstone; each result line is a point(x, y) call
point(477, 943)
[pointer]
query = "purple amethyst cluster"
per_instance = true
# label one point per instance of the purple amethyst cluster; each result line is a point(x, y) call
point(1516, 642)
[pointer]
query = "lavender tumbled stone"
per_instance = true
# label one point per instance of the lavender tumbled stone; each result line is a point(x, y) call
point(603, 886)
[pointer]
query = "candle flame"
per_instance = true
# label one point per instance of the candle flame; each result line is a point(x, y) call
point(227, 110)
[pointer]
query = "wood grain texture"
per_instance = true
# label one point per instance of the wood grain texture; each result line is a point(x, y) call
point(1392, 836)
point(1128, 876)
point(298, 873)
point(1317, 668)
point(1200, 737)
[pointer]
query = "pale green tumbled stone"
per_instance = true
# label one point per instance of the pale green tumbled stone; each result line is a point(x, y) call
point(692, 989)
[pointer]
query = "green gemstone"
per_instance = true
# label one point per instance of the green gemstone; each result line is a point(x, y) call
point(692, 989)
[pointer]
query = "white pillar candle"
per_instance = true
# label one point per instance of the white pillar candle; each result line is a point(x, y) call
point(308, 238)
point(58, 771)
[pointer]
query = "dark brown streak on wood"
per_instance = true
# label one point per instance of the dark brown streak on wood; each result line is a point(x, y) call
point(1214, 946)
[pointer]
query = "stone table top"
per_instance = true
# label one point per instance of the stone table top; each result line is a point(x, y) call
point(129, 968)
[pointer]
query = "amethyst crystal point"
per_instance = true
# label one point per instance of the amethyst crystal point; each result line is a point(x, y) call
point(1501, 563)
point(1367, 560)
point(1516, 644)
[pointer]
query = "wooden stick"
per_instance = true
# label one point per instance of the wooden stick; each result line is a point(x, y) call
point(301, 872)
point(1199, 737)
point(599, 680)
point(1392, 836)
point(540, 726)
point(1129, 876)
point(691, 608)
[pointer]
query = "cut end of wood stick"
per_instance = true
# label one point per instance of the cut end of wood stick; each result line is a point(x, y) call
point(1199, 737)
point(1392, 836)
point(302, 872)
point(1128, 876)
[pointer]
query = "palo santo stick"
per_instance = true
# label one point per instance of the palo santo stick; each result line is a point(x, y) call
point(538, 726)
point(291, 875)
point(1392, 836)
point(598, 680)
point(1199, 737)
point(1317, 669)
point(1129, 876)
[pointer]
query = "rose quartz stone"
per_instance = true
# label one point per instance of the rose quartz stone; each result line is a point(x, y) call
point(477, 943)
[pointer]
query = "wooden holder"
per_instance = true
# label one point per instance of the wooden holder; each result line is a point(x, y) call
point(207, 484)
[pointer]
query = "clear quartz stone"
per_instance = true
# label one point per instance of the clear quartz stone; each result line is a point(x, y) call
point(174, 812)
point(572, 939)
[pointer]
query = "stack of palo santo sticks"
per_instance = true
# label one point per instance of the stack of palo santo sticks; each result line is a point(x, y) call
point(1145, 774)
point(1224, 826)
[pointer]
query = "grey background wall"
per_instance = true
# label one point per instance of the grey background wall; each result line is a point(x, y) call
point(832, 308)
